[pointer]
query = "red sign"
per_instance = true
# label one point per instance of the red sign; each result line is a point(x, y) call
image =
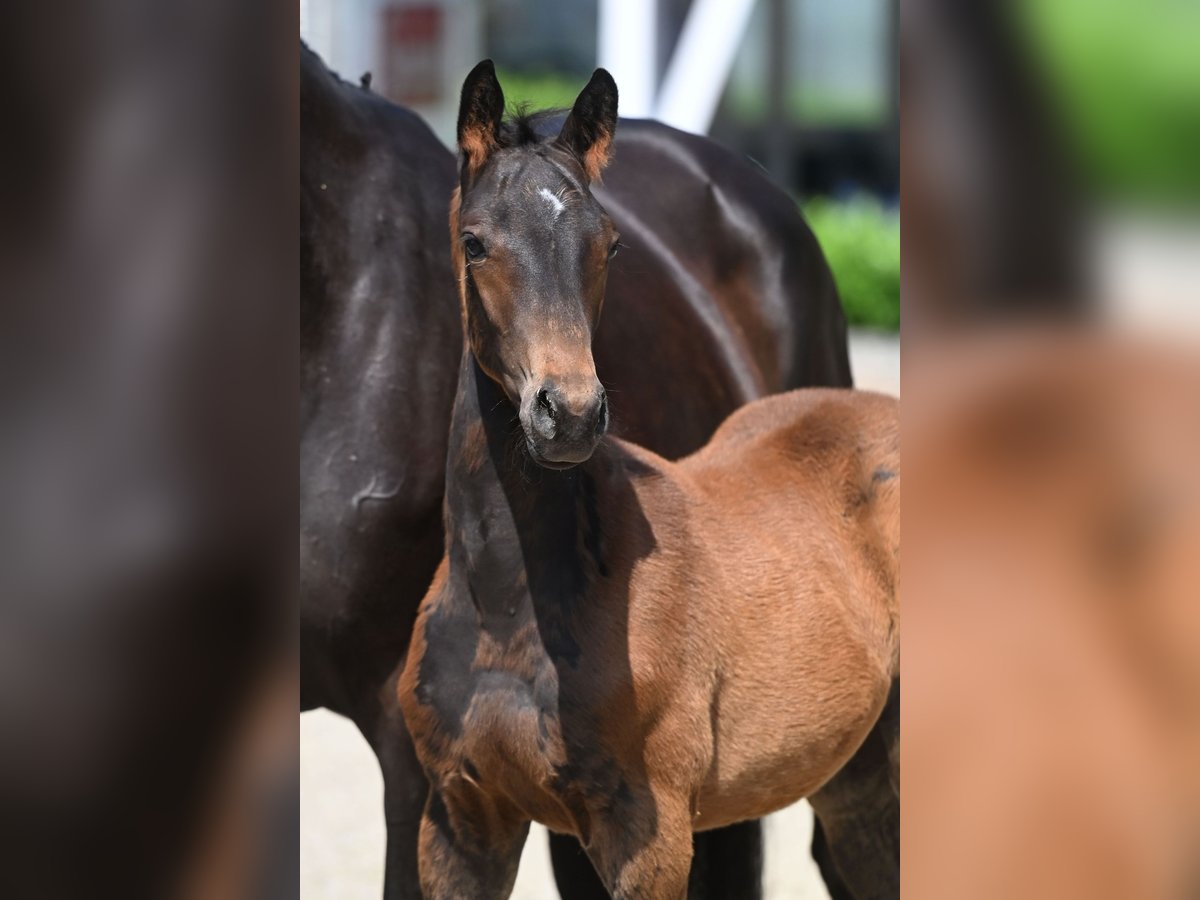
point(412, 53)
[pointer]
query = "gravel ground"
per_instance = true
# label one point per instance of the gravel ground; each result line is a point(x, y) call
point(341, 790)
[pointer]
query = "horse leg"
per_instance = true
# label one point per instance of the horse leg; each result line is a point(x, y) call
point(469, 847)
point(378, 717)
point(824, 859)
point(574, 873)
point(646, 856)
point(726, 865)
point(404, 793)
point(856, 838)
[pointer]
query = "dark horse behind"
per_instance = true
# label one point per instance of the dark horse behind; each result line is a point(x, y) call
point(720, 294)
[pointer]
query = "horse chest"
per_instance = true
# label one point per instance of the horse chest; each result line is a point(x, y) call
point(481, 687)
point(513, 739)
point(516, 716)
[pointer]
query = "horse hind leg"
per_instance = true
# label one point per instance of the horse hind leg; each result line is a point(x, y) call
point(856, 836)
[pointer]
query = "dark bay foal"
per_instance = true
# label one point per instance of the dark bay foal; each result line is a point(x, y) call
point(623, 648)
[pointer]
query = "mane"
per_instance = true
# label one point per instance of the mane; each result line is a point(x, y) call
point(527, 129)
point(364, 81)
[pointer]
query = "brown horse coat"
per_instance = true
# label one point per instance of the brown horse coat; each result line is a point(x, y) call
point(624, 648)
point(734, 641)
point(725, 286)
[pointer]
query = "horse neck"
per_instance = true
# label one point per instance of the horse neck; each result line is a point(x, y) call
point(515, 532)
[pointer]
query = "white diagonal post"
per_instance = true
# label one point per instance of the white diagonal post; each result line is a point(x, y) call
point(700, 66)
point(628, 48)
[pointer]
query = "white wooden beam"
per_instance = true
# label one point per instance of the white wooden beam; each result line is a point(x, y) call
point(701, 64)
point(628, 47)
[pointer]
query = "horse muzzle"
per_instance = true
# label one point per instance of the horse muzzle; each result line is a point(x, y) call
point(563, 425)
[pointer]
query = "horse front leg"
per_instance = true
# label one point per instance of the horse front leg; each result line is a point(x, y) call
point(405, 789)
point(645, 851)
point(574, 873)
point(470, 846)
point(726, 865)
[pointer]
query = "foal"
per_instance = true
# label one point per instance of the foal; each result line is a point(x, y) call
point(619, 647)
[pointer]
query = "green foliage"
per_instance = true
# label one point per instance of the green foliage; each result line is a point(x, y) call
point(539, 90)
point(1125, 74)
point(809, 104)
point(861, 240)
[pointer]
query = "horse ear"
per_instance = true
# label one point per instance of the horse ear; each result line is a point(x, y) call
point(479, 115)
point(589, 129)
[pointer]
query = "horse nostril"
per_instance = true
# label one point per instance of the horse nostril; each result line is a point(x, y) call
point(602, 419)
point(544, 416)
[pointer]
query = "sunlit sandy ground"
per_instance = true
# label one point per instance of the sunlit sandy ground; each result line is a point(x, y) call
point(341, 790)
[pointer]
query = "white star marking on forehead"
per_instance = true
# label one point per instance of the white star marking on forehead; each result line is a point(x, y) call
point(555, 203)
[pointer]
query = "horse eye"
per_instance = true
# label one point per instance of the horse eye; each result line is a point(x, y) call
point(474, 247)
point(612, 251)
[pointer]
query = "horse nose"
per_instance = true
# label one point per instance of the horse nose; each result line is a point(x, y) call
point(568, 415)
point(601, 425)
point(545, 413)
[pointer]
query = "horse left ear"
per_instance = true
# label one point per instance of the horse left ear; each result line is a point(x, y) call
point(589, 129)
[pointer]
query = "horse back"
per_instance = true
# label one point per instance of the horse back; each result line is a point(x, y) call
point(720, 278)
point(816, 472)
point(378, 316)
point(744, 237)
point(770, 582)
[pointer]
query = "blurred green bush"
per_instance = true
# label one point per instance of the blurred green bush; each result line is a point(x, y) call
point(539, 90)
point(861, 240)
point(1125, 75)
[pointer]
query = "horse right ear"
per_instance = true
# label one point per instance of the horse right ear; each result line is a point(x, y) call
point(479, 115)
